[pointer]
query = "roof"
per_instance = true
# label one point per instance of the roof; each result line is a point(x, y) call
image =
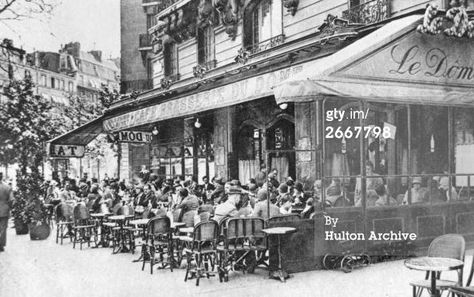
point(82, 135)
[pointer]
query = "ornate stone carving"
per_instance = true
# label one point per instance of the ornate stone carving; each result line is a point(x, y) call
point(242, 56)
point(291, 6)
point(455, 23)
point(331, 25)
point(207, 14)
point(201, 69)
point(229, 12)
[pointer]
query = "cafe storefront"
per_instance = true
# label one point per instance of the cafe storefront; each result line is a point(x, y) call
point(394, 111)
point(229, 131)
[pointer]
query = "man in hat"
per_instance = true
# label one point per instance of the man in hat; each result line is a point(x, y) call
point(229, 207)
point(418, 194)
point(6, 201)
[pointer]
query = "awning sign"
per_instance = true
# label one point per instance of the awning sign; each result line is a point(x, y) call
point(133, 136)
point(66, 151)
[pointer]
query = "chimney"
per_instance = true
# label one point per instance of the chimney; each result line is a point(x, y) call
point(97, 55)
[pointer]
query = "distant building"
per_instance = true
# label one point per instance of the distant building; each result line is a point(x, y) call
point(58, 76)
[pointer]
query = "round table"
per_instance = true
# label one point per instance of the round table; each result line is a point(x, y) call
point(120, 220)
point(278, 232)
point(101, 217)
point(143, 223)
point(434, 265)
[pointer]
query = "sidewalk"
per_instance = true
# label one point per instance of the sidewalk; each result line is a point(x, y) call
point(45, 269)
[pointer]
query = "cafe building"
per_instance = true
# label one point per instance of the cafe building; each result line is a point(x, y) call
point(354, 105)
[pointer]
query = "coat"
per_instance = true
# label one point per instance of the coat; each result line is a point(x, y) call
point(6, 199)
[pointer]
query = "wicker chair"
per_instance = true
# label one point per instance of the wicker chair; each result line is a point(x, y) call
point(84, 227)
point(201, 249)
point(159, 240)
point(445, 246)
point(63, 215)
point(242, 236)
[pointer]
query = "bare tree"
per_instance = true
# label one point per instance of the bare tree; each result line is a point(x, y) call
point(21, 9)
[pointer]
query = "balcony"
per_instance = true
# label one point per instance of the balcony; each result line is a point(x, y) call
point(368, 13)
point(266, 45)
point(158, 5)
point(144, 42)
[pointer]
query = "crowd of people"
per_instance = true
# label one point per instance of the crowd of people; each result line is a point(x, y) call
point(263, 196)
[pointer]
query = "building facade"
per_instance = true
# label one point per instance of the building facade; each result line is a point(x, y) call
point(357, 94)
point(59, 76)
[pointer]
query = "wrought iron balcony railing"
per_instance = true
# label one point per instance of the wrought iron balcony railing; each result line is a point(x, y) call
point(144, 41)
point(369, 12)
point(266, 44)
point(158, 4)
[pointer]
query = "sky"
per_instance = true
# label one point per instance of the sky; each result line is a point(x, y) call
point(93, 23)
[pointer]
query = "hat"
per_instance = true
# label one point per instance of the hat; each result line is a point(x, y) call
point(416, 180)
point(219, 180)
point(235, 190)
point(235, 182)
point(252, 187)
point(283, 188)
point(262, 195)
point(299, 187)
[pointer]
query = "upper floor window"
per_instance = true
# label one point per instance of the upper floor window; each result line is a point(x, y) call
point(263, 22)
point(150, 21)
point(206, 45)
point(43, 80)
point(53, 83)
point(70, 86)
point(63, 86)
point(170, 54)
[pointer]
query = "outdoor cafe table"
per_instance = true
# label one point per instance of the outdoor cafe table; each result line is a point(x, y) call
point(278, 232)
point(434, 265)
point(101, 217)
point(120, 220)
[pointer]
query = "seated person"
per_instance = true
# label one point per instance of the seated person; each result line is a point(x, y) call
point(334, 192)
point(384, 199)
point(299, 198)
point(444, 186)
point(188, 202)
point(261, 207)
point(317, 190)
point(309, 209)
point(283, 194)
point(370, 183)
point(229, 207)
point(244, 209)
point(418, 194)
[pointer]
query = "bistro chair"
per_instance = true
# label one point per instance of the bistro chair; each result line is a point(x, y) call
point(63, 215)
point(202, 249)
point(445, 246)
point(242, 236)
point(84, 227)
point(159, 240)
point(462, 291)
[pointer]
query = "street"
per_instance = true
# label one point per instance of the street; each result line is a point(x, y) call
point(44, 268)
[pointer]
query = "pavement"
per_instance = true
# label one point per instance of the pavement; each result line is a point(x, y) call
point(44, 268)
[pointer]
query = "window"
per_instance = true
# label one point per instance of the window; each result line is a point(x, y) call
point(70, 86)
point(63, 86)
point(43, 80)
point(150, 21)
point(206, 45)
point(263, 21)
point(171, 59)
point(53, 83)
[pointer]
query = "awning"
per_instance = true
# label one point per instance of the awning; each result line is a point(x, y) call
point(82, 135)
point(396, 63)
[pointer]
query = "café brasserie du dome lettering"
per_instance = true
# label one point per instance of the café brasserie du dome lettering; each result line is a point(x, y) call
point(433, 62)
